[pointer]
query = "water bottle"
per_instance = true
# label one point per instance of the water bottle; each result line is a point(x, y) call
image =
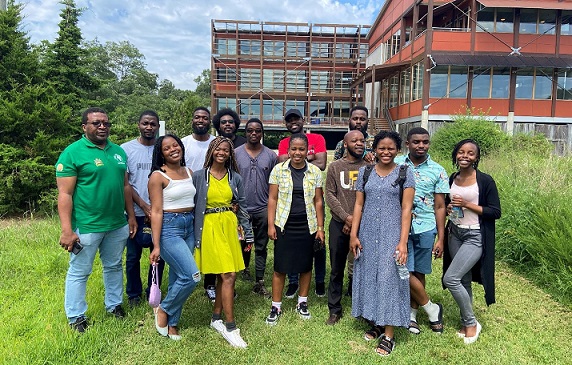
point(401, 269)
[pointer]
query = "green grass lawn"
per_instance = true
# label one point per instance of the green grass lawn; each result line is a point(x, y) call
point(526, 326)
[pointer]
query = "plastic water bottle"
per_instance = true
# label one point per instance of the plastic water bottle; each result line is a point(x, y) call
point(401, 269)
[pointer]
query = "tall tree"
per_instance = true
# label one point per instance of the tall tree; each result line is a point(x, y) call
point(65, 64)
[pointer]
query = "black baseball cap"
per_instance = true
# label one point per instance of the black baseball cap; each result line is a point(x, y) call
point(292, 112)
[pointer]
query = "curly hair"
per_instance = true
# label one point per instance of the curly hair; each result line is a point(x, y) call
point(458, 147)
point(387, 134)
point(158, 160)
point(221, 113)
point(230, 163)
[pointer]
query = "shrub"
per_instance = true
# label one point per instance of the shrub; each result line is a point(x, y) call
point(476, 126)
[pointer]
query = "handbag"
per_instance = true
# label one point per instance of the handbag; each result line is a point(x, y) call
point(154, 291)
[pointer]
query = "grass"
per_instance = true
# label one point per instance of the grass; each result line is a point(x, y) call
point(526, 326)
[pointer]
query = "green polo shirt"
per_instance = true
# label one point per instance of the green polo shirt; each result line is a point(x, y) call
point(98, 198)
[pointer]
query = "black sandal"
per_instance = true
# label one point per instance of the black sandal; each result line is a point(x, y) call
point(414, 327)
point(437, 326)
point(373, 333)
point(385, 344)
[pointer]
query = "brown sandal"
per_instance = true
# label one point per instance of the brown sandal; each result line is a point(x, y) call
point(385, 344)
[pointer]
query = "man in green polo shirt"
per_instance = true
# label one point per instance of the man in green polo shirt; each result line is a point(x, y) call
point(93, 194)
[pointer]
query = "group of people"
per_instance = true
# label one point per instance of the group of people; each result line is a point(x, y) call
point(185, 200)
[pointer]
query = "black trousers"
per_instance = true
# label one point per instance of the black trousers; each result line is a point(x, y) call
point(339, 248)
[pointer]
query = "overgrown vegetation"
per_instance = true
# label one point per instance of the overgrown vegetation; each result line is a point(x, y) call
point(534, 233)
point(45, 87)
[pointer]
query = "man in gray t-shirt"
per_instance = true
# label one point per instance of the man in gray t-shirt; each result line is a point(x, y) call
point(139, 153)
point(255, 162)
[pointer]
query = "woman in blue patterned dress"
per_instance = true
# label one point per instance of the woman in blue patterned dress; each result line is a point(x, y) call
point(378, 239)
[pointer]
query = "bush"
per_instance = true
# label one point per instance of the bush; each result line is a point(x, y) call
point(487, 134)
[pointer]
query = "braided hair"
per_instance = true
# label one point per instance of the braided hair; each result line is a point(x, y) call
point(458, 147)
point(230, 162)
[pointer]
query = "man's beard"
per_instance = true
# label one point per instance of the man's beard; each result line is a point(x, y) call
point(201, 130)
point(354, 154)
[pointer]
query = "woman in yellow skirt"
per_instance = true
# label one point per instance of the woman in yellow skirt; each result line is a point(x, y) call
point(220, 218)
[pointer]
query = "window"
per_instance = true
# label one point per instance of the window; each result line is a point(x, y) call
point(385, 93)
point(319, 81)
point(296, 49)
point(543, 83)
point(249, 108)
point(274, 48)
point(320, 50)
point(481, 82)
point(318, 108)
point(547, 21)
point(566, 22)
point(564, 85)
point(295, 104)
point(249, 47)
point(458, 82)
point(486, 20)
point(499, 20)
point(395, 43)
point(439, 80)
point(226, 46)
point(296, 80)
point(451, 83)
point(273, 80)
point(226, 103)
point(405, 87)
point(225, 74)
point(524, 83)
point(528, 18)
point(343, 50)
point(500, 82)
point(342, 82)
point(272, 109)
point(393, 91)
point(341, 108)
point(363, 51)
point(504, 20)
point(417, 76)
point(249, 79)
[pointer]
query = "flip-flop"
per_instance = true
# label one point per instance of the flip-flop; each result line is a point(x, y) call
point(437, 326)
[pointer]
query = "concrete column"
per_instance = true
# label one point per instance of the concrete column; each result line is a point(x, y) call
point(425, 119)
point(510, 124)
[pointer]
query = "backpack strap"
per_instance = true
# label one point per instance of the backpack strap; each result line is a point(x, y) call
point(401, 177)
point(366, 173)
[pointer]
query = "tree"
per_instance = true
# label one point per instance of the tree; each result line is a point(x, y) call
point(203, 89)
point(65, 64)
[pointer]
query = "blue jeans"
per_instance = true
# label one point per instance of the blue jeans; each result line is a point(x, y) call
point(419, 249)
point(466, 248)
point(177, 246)
point(110, 245)
point(319, 268)
point(135, 246)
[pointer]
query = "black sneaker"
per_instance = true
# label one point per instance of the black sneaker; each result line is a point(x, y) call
point(246, 275)
point(80, 325)
point(260, 289)
point(134, 302)
point(320, 289)
point(272, 318)
point(118, 312)
point(291, 292)
point(302, 309)
point(210, 292)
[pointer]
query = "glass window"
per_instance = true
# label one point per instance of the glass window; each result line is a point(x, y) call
point(320, 50)
point(395, 42)
point(385, 93)
point(486, 20)
point(500, 83)
point(226, 74)
point(274, 48)
point(296, 49)
point(343, 50)
point(458, 82)
point(439, 78)
point(566, 22)
point(273, 80)
point(295, 104)
point(341, 108)
point(481, 82)
point(318, 108)
point(226, 103)
point(363, 51)
point(417, 81)
point(319, 81)
point(547, 21)
point(272, 109)
point(504, 20)
point(393, 91)
point(249, 108)
point(249, 47)
point(342, 82)
point(564, 84)
point(543, 84)
point(524, 83)
point(405, 87)
point(249, 79)
point(226, 46)
point(528, 18)
point(296, 80)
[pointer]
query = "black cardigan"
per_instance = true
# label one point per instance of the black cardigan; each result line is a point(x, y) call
point(484, 270)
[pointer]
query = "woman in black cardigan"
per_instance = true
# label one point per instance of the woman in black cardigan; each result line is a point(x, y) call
point(473, 207)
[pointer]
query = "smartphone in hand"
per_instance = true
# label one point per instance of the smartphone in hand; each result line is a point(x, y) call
point(358, 253)
point(77, 247)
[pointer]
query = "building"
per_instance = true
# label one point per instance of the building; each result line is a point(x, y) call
point(510, 59)
point(262, 69)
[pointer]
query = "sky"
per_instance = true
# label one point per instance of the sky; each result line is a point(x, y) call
point(175, 35)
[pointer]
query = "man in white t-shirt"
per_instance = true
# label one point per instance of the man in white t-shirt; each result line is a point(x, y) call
point(197, 144)
point(139, 153)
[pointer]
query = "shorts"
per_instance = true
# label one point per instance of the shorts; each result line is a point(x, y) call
point(419, 250)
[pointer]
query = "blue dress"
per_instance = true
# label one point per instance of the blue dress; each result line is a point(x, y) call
point(379, 295)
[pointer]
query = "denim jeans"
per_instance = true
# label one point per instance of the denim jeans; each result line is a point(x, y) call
point(110, 245)
point(465, 248)
point(135, 246)
point(419, 249)
point(177, 246)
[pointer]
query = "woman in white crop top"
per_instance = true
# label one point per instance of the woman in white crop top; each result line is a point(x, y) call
point(172, 194)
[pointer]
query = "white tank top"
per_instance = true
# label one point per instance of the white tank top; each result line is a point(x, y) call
point(178, 193)
point(471, 194)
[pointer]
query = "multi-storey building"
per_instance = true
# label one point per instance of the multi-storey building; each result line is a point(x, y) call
point(511, 59)
point(262, 69)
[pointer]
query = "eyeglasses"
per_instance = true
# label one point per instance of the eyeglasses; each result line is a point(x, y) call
point(98, 123)
point(227, 121)
point(257, 131)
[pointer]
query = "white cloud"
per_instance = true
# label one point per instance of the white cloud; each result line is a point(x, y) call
point(175, 35)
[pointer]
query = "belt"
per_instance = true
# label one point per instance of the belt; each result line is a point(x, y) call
point(469, 226)
point(218, 210)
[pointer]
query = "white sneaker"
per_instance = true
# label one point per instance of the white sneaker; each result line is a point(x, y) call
point(218, 325)
point(233, 337)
